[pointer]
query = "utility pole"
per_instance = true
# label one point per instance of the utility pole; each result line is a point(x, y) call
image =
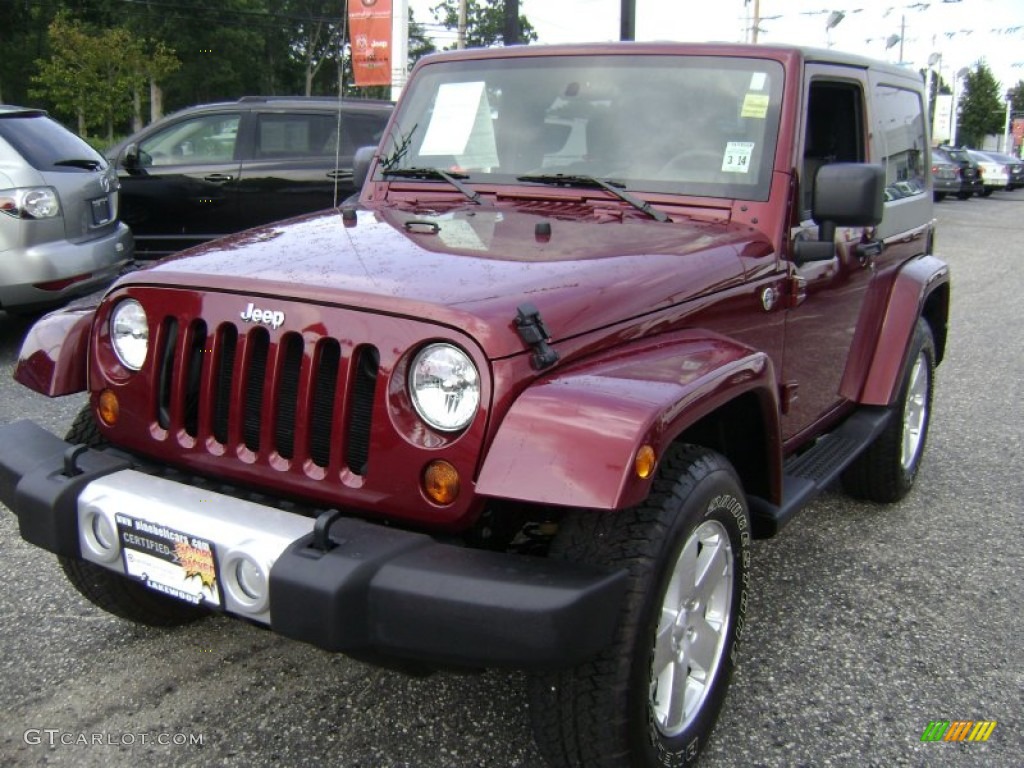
point(511, 32)
point(461, 42)
point(627, 27)
point(755, 28)
point(903, 35)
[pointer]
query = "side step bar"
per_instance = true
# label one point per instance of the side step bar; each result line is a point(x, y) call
point(806, 475)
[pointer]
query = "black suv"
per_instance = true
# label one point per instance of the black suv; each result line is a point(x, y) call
point(971, 182)
point(216, 169)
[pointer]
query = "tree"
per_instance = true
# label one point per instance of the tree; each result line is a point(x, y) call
point(981, 109)
point(485, 22)
point(420, 43)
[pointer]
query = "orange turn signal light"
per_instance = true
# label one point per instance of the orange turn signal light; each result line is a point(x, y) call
point(109, 409)
point(645, 462)
point(441, 482)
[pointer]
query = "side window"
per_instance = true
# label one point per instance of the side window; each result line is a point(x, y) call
point(361, 131)
point(295, 135)
point(835, 131)
point(207, 139)
point(900, 129)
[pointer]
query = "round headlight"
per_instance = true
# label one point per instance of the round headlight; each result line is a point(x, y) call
point(445, 387)
point(129, 333)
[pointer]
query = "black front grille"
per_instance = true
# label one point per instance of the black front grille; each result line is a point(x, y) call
point(299, 397)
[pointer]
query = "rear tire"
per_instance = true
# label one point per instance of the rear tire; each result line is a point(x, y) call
point(111, 591)
point(885, 472)
point(652, 698)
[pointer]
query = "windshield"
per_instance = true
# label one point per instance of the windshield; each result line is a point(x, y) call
point(680, 124)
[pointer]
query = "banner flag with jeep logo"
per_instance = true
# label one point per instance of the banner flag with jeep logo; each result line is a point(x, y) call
point(370, 25)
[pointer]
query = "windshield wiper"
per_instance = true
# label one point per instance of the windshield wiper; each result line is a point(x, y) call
point(615, 187)
point(89, 165)
point(436, 173)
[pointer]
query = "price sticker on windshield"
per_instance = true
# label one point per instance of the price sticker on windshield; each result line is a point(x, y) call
point(737, 157)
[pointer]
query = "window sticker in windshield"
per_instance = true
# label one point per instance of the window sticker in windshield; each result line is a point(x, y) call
point(461, 126)
point(755, 105)
point(737, 157)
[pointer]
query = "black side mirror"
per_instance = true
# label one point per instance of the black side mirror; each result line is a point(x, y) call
point(845, 195)
point(361, 165)
point(130, 157)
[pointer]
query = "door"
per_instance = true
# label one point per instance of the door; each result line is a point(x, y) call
point(820, 328)
point(301, 162)
point(182, 188)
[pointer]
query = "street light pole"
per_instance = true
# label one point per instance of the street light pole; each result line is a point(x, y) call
point(1007, 146)
point(460, 42)
point(960, 75)
point(934, 59)
point(627, 20)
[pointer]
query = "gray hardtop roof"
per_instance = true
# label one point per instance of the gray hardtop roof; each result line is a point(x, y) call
point(807, 53)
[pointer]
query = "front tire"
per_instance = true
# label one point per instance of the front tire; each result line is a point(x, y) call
point(886, 471)
point(111, 591)
point(652, 697)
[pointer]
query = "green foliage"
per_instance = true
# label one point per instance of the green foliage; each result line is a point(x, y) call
point(91, 74)
point(982, 110)
point(105, 59)
point(485, 22)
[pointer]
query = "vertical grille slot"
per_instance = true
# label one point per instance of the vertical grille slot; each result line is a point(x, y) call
point(193, 373)
point(321, 413)
point(290, 364)
point(166, 375)
point(366, 363)
point(224, 369)
point(255, 377)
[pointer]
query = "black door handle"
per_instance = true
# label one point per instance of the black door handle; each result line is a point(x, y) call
point(866, 252)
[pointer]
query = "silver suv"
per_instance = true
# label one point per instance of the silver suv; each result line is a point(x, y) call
point(59, 229)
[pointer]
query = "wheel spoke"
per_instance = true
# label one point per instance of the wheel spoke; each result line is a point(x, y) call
point(915, 412)
point(664, 650)
point(684, 692)
point(711, 569)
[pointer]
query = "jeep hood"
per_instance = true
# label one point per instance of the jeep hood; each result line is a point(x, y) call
point(471, 268)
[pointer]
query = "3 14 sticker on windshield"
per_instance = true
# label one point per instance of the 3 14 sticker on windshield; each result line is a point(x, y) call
point(169, 561)
point(737, 157)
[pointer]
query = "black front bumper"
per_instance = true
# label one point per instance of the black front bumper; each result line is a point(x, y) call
point(370, 590)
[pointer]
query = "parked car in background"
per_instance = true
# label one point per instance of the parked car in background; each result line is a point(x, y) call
point(216, 169)
point(994, 174)
point(971, 182)
point(59, 230)
point(945, 175)
point(1014, 167)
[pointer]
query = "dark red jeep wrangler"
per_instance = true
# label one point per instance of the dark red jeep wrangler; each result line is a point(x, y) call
point(602, 315)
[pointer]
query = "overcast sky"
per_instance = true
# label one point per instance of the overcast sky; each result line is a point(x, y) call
point(962, 32)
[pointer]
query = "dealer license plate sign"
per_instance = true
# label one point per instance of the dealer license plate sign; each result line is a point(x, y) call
point(168, 561)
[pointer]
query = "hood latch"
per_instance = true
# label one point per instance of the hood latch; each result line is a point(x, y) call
point(534, 333)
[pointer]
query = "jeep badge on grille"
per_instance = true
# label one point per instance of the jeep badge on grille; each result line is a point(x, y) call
point(272, 317)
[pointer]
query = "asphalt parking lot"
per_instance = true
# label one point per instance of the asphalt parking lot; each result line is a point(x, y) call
point(868, 622)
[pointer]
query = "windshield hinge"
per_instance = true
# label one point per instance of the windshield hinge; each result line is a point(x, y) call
point(534, 333)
